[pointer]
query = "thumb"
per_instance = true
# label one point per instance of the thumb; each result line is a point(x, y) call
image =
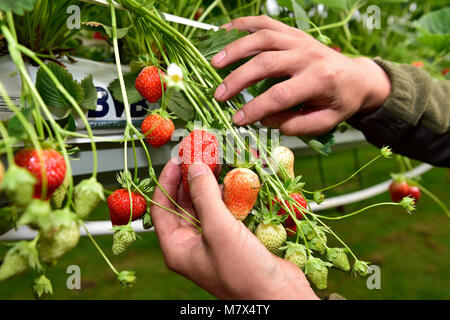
point(207, 198)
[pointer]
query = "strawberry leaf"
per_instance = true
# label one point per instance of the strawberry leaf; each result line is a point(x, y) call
point(50, 93)
point(180, 106)
point(18, 7)
point(15, 127)
point(211, 42)
point(90, 94)
point(132, 94)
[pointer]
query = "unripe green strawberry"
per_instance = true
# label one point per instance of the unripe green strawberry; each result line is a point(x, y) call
point(283, 159)
point(317, 272)
point(307, 228)
point(124, 236)
point(37, 215)
point(295, 253)
point(18, 259)
point(272, 235)
point(241, 187)
point(18, 184)
point(60, 193)
point(338, 258)
point(360, 268)
point(318, 243)
point(87, 195)
point(60, 238)
point(127, 278)
point(42, 286)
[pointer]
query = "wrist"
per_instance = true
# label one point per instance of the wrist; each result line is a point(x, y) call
point(375, 82)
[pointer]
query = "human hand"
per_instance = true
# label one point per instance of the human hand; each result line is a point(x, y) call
point(328, 86)
point(225, 259)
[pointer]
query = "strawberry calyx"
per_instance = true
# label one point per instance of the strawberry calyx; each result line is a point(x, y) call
point(163, 113)
point(293, 248)
point(126, 181)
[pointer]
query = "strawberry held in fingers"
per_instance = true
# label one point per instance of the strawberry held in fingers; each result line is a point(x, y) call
point(54, 168)
point(120, 209)
point(149, 84)
point(158, 129)
point(198, 146)
point(241, 187)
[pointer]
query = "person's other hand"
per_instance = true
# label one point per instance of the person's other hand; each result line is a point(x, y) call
point(225, 259)
point(327, 86)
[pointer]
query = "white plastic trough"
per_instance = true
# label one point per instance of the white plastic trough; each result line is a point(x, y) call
point(99, 228)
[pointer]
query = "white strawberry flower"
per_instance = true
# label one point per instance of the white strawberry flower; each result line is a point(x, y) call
point(174, 77)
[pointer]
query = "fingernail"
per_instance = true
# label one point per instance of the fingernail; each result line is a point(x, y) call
point(218, 58)
point(195, 170)
point(220, 91)
point(238, 117)
point(226, 25)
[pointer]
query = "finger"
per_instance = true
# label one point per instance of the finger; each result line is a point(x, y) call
point(166, 222)
point(255, 23)
point(278, 98)
point(301, 123)
point(207, 200)
point(309, 122)
point(270, 64)
point(251, 45)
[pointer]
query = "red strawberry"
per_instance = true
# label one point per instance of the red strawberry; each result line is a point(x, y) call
point(415, 193)
point(157, 129)
point(298, 198)
point(199, 145)
point(445, 71)
point(418, 64)
point(398, 190)
point(241, 187)
point(119, 206)
point(54, 164)
point(148, 84)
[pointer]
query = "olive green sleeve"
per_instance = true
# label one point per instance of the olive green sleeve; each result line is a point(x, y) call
point(415, 118)
point(417, 98)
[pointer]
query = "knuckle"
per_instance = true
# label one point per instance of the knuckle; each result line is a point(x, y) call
point(327, 74)
point(265, 19)
point(268, 36)
point(281, 94)
point(266, 60)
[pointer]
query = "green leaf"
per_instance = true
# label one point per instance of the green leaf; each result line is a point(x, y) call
point(179, 105)
point(334, 4)
point(102, 28)
point(211, 42)
point(90, 94)
point(17, 6)
point(50, 93)
point(15, 127)
point(301, 18)
point(434, 30)
point(132, 94)
point(436, 22)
